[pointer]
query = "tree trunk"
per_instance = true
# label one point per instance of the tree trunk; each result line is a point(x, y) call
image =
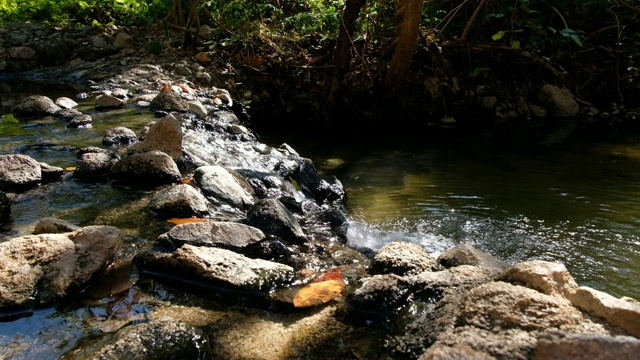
point(342, 53)
point(408, 16)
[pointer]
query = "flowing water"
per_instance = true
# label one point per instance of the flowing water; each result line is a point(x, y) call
point(578, 204)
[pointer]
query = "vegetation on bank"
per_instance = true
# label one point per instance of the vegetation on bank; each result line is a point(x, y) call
point(322, 56)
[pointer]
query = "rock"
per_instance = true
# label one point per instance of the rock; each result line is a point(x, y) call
point(213, 233)
point(119, 135)
point(124, 40)
point(617, 312)
point(321, 189)
point(269, 185)
point(39, 270)
point(109, 102)
point(221, 186)
point(19, 172)
point(538, 111)
point(402, 258)
point(561, 345)
point(53, 226)
point(488, 102)
point(5, 207)
point(169, 101)
point(35, 105)
point(66, 103)
point(149, 168)
point(380, 294)
point(270, 216)
point(180, 201)
point(468, 255)
point(80, 121)
point(547, 277)
point(156, 339)
point(164, 135)
point(558, 101)
point(456, 352)
point(67, 114)
point(433, 285)
point(496, 318)
point(50, 173)
point(95, 165)
point(23, 53)
point(197, 108)
point(218, 267)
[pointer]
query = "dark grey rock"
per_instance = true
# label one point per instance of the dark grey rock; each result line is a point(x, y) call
point(213, 233)
point(119, 135)
point(180, 201)
point(35, 105)
point(148, 168)
point(270, 216)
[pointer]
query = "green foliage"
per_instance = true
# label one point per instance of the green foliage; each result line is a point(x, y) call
point(81, 12)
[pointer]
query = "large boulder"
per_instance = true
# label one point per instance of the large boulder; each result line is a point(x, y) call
point(562, 345)
point(558, 101)
point(213, 233)
point(149, 168)
point(402, 258)
point(19, 172)
point(95, 163)
point(39, 270)
point(622, 313)
point(219, 185)
point(180, 201)
point(272, 217)
point(467, 254)
point(547, 277)
point(35, 105)
point(164, 135)
point(218, 267)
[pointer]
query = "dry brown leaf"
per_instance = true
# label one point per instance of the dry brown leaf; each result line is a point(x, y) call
point(180, 221)
point(318, 293)
point(70, 168)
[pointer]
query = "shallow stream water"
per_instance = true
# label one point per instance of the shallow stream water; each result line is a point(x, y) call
point(575, 203)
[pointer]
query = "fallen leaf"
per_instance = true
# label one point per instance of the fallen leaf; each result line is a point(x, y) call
point(331, 274)
point(186, 181)
point(318, 293)
point(70, 168)
point(180, 221)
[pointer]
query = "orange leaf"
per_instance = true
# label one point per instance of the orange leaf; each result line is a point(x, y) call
point(331, 274)
point(318, 293)
point(186, 181)
point(180, 221)
point(166, 87)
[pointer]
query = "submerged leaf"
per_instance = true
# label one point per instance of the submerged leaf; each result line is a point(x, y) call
point(180, 221)
point(318, 293)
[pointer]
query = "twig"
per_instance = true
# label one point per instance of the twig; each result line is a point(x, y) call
point(524, 54)
point(472, 21)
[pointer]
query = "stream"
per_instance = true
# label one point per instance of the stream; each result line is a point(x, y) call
point(574, 203)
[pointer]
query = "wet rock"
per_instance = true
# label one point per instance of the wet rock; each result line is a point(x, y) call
point(169, 101)
point(38, 270)
point(402, 258)
point(67, 114)
point(35, 105)
point(496, 318)
point(152, 168)
point(468, 255)
point(457, 352)
point(547, 277)
point(270, 216)
point(558, 101)
point(109, 102)
point(50, 173)
point(19, 172)
point(157, 339)
point(80, 121)
point(66, 103)
point(321, 189)
point(433, 285)
point(561, 345)
point(95, 165)
point(380, 294)
point(180, 201)
point(5, 207)
point(219, 267)
point(221, 186)
point(51, 225)
point(163, 135)
point(197, 108)
point(119, 135)
point(213, 233)
point(269, 185)
point(617, 312)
